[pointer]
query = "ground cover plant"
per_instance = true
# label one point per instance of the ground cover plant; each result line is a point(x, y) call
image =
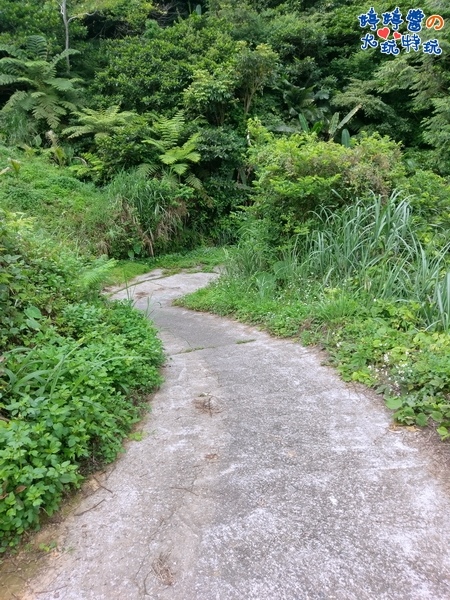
point(75, 372)
point(63, 206)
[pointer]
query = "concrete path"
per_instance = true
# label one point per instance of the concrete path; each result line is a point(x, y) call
point(261, 476)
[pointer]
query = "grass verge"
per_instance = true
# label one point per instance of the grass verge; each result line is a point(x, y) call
point(201, 259)
point(370, 342)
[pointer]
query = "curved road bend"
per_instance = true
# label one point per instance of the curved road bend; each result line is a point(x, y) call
point(261, 476)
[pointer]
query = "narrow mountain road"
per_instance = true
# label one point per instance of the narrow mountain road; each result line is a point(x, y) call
point(261, 476)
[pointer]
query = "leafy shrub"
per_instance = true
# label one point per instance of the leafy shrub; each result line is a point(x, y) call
point(430, 198)
point(124, 149)
point(73, 374)
point(298, 174)
point(151, 72)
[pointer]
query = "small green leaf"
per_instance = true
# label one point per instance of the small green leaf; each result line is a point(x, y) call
point(394, 403)
point(443, 432)
point(437, 416)
point(421, 419)
point(33, 312)
point(33, 324)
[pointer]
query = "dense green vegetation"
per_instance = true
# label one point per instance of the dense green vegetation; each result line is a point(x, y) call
point(130, 130)
point(73, 376)
point(152, 104)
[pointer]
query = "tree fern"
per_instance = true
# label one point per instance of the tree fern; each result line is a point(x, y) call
point(174, 161)
point(99, 123)
point(360, 93)
point(395, 75)
point(47, 97)
point(168, 130)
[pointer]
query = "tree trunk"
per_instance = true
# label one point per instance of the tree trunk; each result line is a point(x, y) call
point(66, 21)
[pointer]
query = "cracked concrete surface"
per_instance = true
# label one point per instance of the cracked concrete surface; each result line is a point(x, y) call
point(261, 476)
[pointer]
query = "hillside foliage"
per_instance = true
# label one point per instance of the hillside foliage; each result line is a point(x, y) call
point(131, 129)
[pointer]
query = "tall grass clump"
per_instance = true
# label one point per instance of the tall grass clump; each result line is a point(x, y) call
point(372, 247)
point(159, 206)
point(252, 254)
point(369, 248)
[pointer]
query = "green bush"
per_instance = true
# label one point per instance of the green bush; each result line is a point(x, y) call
point(298, 174)
point(125, 148)
point(74, 374)
point(430, 199)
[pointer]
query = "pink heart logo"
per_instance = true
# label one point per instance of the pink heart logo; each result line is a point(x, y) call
point(384, 33)
point(397, 35)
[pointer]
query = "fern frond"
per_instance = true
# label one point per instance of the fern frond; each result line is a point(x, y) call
point(193, 156)
point(8, 79)
point(169, 130)
point(179, 168)
point(395, 75)
point(99, 122)
point(48, 110)
point(26, 80)
point(111, 111)
point(60, 83)
point(11, 65)
point(69, 106)
point(12, 51)
point(18, 98)
point(76, 131)
point(36, 45)
point(147, 170)
point(93, 277)
point(62, 55)
point(38, 69)
point(157, 144)
point(194, 182)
